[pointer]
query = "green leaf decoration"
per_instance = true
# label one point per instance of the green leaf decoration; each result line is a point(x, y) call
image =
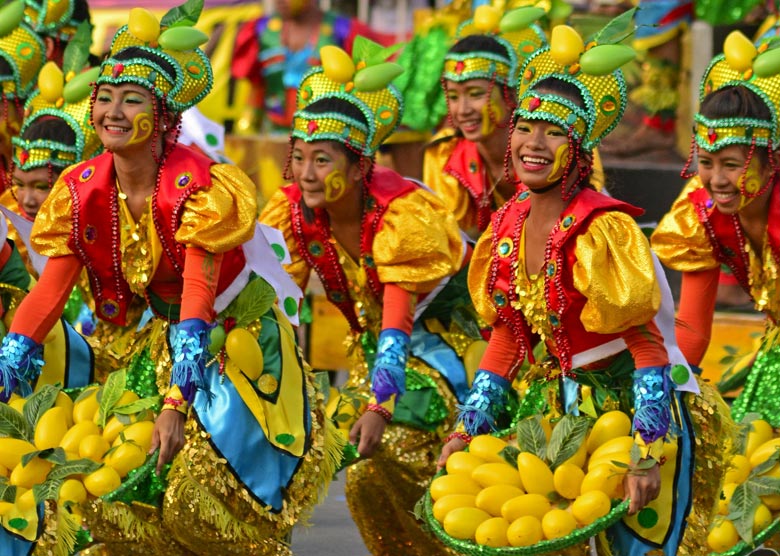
point(530, 436)
point(182, 38)
point(152, 402)
point(364, 49)
point(48, 490)
point(77, 52)
point(54, 455)
point(373, 78)
point(85, 393)
point(124, 419)
point(519, 19)
point(618, 29)
point(567, 437)
point(742, 509)
point(7, 492)
point(765, 466)
point(185, 14)
point(763, 486)
point(606, 58)
point(743, 430)
point(385, 53)
point(13, 424)
point(560, 10)
point(767, 63)
point(29, 456)
point(111, 392)
point(466, 319)
point(252, 303)
point(72, 467)
point(635, 454)
point(39, 403)
point(509, 453)
point(322, 384)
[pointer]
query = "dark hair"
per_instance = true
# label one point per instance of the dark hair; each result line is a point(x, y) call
point(135, 52)
point(333, 104)
point(560, 87)
point(734, 102)
point(81, 11)
point(480, 43)
point(5, 67)
point(50, 128)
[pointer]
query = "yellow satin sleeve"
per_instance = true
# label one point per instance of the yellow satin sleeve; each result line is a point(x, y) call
point(418, 244)
point(614, 271)
point(276, 213)
point(450, 191)
point(51, 229)
point(680, 240)
point(479, 276)
point(222, 216)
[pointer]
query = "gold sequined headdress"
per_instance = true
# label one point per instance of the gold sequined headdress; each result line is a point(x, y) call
point(65, 95)
point(757, 69)
point(593, 69)
point(363, 84)
point(21, 49)
point(507, 42)
point(167, 62)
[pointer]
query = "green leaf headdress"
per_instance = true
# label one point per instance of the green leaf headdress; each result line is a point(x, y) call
point(758, 70)
point(372, 108)
point(511, 39)
point(63, 94)
point(593, 68)
point(166, 58)
point(23, 51)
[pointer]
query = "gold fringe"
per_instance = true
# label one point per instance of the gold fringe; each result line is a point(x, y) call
point(68, 525)
point(126, 521)
point(333, 447)
point(602, 543)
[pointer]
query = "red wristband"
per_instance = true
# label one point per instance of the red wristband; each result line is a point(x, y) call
point(376, 408)
point(465, 437)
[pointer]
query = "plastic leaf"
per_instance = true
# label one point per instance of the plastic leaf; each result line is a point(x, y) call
point(530, 436)
point(152, 402)
point(13, 424)
point(252, 303)
point(111, 392)
point(39, 403)
point(26, 458)
point(385, 53)
point(7, 492)
point(742, 509)
point(77, 52)
point(48, 490)
point(510, 453)
point(765, 466)
point(54, 455)
point(617, 29)
point(186, 14)
point(73, 467)
point(363, 49)
point(566, 438)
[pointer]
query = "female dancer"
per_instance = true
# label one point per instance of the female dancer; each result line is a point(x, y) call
point(569, 266)
point(724, 216)
point(246, 439)
point(385, 249)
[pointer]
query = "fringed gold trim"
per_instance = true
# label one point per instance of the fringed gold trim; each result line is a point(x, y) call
point(123, 518)
point(68, 526)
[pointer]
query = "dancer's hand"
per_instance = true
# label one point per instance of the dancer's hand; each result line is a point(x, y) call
point(367, 433)
point(454, 445)
point(642, 487)
point(168, 436)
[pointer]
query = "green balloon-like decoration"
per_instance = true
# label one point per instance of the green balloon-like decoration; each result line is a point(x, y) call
point(217, 339)
point(519, 19)
point(605, 58)
point(11, 16)
point(767, 64)
point(376, 77)
point(80, 86)
point(182, 38)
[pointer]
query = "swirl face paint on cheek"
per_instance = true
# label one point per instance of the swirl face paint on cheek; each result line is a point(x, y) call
point(750, 183)
point(492, 113)
point(335, 186)
point(559, 163)
point(143, 126)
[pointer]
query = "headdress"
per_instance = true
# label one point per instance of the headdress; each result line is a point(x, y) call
point(593, 69)
point(361, 82)
point(65, 95)
point(167, 62)
point(756, 69)
point(55, 18)
point(22, 50)
point(515, 36)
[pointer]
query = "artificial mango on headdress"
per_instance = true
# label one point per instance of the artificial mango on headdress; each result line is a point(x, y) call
point(22, 53)
point(58, 19)
point(64, 95)
point(364, 109)
point(162, 56)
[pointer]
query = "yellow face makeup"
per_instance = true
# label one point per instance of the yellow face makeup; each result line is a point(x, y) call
point(560, 162)
point(143, 126)
point(492, 112)
point(750, 182)
point(335, 186)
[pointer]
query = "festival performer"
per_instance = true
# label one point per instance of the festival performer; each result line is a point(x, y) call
point(275, 51)
point(725, 214)
point(386, 250)
point(22, 55)
point(249, 447)
point(464, 163)
point(547, 269)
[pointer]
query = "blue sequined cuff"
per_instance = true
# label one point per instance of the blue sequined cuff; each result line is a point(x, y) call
point(21, 361)
point(652, 403)
point(486, 401)
point(388, 376)
point(189, 345)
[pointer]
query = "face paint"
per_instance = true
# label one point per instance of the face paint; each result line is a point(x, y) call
point(143, 126)
point(750, 183)
point(492, 113)
point(560, 163)
point(335, 186)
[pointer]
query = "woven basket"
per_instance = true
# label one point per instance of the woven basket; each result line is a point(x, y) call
point(542, 547)
point(742, 548)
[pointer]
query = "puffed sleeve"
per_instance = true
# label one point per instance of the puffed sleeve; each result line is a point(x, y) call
point(418, 244)
point(276, 214)
point(51, 229)
point(680, 240)
point(222, 216)
point(479, 275)
point(614, 271)
point(451, 192)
